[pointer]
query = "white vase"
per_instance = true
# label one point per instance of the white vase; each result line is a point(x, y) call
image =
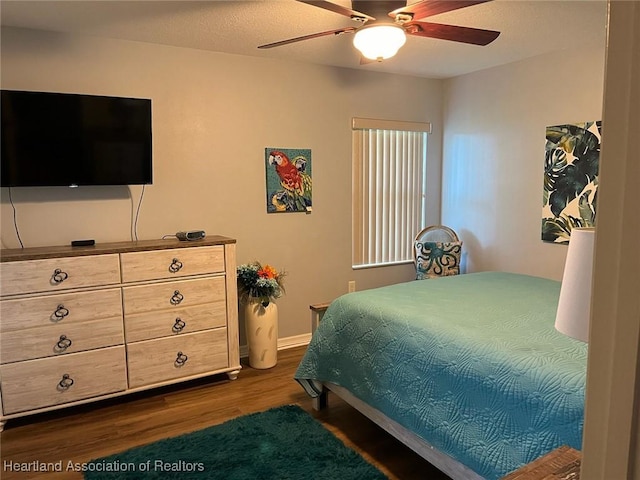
point(261, 325)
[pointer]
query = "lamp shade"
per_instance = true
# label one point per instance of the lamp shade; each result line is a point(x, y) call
point(378, 42)
point(574, 305)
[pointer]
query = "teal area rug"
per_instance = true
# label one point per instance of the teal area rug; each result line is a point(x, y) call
point(284, 443)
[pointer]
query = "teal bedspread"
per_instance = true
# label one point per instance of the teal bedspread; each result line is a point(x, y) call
point(470, 363)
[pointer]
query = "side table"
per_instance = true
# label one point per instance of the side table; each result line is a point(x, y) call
point(561, 464)
point(317, 311)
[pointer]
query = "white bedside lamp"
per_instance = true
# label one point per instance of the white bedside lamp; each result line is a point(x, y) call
point(574, 305)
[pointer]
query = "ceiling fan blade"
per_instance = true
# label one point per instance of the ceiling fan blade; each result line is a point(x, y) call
point(307, 37)
point(428, 8)
point(454, 33)
point(347, 12)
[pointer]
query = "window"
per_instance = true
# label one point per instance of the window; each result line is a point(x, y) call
point(389, 165)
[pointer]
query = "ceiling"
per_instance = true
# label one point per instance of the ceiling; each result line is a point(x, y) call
point(528, 28)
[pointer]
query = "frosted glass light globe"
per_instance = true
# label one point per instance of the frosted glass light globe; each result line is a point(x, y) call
point(379, 42)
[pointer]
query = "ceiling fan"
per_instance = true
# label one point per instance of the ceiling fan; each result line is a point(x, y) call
point(378, 38)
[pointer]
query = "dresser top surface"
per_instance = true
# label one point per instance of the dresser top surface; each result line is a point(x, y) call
point(39, 253)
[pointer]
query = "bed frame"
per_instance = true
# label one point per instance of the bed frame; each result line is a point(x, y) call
point(442, 461)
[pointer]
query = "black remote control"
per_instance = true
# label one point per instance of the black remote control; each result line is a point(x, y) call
point(82, 243)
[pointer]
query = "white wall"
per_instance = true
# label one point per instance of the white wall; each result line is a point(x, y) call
point(493, 155)
point(213, 116)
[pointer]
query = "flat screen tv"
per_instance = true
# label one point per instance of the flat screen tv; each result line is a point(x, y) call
point(61, 139)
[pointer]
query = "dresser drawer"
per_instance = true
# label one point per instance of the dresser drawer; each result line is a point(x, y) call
point(163, 359)
point(32, 276)
point(43, 383)
point(172, 295)
point(174, 263)
point(59, 309)
point(60, 339)
point(166, 323)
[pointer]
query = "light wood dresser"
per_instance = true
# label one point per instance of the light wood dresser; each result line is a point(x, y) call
point(80, 324)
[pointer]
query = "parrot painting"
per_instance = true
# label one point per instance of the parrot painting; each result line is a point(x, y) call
point(295, 182)
point(289, 175)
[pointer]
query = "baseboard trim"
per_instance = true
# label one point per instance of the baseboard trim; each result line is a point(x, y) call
point(283, 343)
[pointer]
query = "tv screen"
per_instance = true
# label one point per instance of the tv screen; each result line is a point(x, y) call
point(61, 139)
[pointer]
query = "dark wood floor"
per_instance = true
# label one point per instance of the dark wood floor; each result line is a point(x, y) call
point(83, 433)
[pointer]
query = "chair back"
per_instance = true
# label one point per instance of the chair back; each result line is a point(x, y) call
point(451, 254)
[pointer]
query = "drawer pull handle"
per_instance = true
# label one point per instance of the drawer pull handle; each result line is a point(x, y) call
point(63, 343)
point(181, 359)
point(59, 276)
point(61, 312)
point(179, 325)
point(66, 382)
point(176, 298)
point(175, 266)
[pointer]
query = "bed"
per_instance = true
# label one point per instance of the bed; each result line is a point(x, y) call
point(467, 370)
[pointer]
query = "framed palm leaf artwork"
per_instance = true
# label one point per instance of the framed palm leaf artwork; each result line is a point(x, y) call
point(289, 184)
point(570, 194)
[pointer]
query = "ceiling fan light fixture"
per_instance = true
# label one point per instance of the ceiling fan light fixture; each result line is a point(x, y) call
point(379, 42)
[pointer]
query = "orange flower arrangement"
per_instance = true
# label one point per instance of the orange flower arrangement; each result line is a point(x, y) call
point(259, 283)
point(267, 272)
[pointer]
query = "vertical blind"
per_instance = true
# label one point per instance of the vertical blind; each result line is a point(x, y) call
point(388, 189)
